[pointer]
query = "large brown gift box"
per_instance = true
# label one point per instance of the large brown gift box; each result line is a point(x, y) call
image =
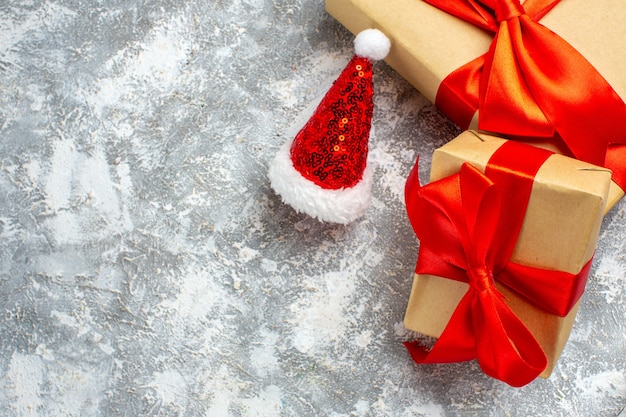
point(428, 44)
point(559, 232)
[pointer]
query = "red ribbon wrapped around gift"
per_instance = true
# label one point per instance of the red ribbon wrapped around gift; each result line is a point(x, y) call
point(533, 84)
point(468, 226)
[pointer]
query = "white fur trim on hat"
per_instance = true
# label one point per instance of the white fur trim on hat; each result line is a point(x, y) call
point(372, 44)
point(337, 206)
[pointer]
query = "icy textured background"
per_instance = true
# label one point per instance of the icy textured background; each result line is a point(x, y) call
point(148, 269)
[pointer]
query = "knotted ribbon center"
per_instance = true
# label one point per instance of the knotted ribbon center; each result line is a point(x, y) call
point(481, 278)
point(508, 9)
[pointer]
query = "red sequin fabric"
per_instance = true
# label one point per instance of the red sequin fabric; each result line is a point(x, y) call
point(331, 149)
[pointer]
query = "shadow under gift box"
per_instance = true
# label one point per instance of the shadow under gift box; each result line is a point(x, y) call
point(559, 232)
point(428, 44)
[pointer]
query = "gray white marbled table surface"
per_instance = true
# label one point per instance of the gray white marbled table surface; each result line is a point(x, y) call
point(148, 269)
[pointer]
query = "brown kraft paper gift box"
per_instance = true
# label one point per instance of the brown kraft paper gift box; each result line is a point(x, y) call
point(559, 232)
point(428, 44)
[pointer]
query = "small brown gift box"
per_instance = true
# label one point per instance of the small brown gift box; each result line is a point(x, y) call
point(559, 232)
point(428, 44)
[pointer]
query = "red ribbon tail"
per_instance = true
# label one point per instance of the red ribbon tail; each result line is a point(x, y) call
point(417, 351)
point(492, 333)
point(507, 350)
point(456, 343)
point(422, 354)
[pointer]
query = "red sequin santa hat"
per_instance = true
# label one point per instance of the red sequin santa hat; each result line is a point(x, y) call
point(323, 171)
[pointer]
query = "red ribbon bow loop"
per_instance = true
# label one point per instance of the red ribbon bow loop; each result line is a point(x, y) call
point(533, 84)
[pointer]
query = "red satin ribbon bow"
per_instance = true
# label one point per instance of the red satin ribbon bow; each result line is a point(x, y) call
point(467, 229)
point(533, 84)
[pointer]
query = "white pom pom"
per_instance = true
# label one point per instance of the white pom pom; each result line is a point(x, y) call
point(372, 44)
